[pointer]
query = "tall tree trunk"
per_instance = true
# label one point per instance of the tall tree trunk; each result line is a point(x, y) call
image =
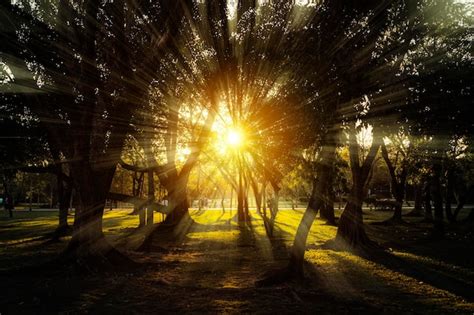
point(136, 192)
point(177, 202)
point(246, 199)
point(398, 194)
point(240, 199)
point(270, 226)
point(315, 203)
point(92, 188)
point(151, 198)
point(418, 201)
point(64, 200)
point(8, 201)
point(450, 179)
point(397, 184)
point(427, 201)
point(257, 194)
point(141, 215)
point(327, 210)
point(222, 202)
point(438, 201)
point(351, 227)
point(461, 202)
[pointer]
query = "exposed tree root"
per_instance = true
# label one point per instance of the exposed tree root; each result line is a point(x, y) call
point(97, 257)
point(235, 218)
point(163, 232)
point(61, 231)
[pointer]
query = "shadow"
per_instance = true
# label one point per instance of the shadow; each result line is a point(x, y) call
point(390, 222)
point(420, 270)
point(246, 237)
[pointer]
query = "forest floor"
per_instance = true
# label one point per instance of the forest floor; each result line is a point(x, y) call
point(213, 269)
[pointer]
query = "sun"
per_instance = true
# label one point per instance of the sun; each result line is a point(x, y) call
point(234, 138)
point(229, 140)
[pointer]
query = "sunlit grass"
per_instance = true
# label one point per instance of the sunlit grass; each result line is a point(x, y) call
point(218, 244)
point(25, 226)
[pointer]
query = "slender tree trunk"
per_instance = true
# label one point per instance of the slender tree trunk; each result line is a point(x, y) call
point(427, 201)
point(222, 201)
point(418, 200)
point(64, 200)
point(438, 202)
point(141, 215)
point(151, 198)
point(258, 197)
point(461, 202)
point(8, 203)
point(140, 210)
point(397, 184)
point(327, 210)
point(246, 200)
point(240, 200)
point(449, 194)
point(299, 244)
point(398, 194)
point(315, 203)
point(273, 214)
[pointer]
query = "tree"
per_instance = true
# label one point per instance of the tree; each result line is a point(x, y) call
point(398, 167)
point(86, 90)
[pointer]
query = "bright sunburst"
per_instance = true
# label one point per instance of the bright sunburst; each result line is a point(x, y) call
point(235, 138)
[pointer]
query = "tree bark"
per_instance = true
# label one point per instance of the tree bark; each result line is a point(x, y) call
point(418, 201)
point(315, 203)
point(399, 196)
point(427, 201)
point(151, 198)
point(240, 199)
point(177, 203)
point(351, 228)
point(450, 179)
point(327, 210)
point(438, 202)
point(92, 188)
point(397, 184)
point(461, 202)
point(64, 200)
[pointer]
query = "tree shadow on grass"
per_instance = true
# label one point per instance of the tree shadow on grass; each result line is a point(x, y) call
point(420, 269)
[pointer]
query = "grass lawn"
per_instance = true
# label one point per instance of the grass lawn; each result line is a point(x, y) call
point(213, 269)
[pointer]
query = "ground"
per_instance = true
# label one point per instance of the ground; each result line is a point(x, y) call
point(214, 269)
